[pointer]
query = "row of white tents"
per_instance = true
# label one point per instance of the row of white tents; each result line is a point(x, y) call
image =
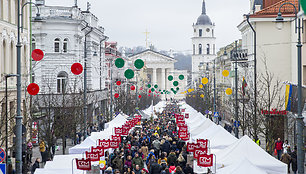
point(233, 156)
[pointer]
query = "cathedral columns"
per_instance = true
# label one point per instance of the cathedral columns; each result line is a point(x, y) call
point(163, 79)
point(154, 75)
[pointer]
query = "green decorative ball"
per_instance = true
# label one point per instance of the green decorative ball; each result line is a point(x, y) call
point(149, 86)
point(181, 77)
point(139, 63)
point(175, 83)
point(119, 62)
point(129, 74)
point(152, 89)
point(155, 86)
point(170, 78)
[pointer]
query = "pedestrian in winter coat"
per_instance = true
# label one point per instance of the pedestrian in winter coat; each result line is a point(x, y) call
point(118, 164)
point(154, 168)
point(35, 165)
point(166, 147)
point(128, 162)
point(145, 151)
point(179, 170)
point(188, 170)
point(279, 148)
point(172, 159)
point(293, 160)
point(137, 161)
point(285, 158)
point(137, 170)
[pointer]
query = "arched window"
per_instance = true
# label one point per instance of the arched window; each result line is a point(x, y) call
point(213, 34)
point(193, 49)
point(62, 78)
point(200, 32)
point(65, 45)
point(57, 45)
point(33, 44)
point(208, 49)
point(200, 48)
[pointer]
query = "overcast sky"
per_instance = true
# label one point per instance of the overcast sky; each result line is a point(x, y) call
point(168, 21)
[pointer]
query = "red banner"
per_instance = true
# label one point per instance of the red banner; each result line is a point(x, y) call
point(98, 150)
point(118, 130)
point(191, 147)
point(83, 164)
point(199, 151)
point(105, 144)
point(205, 160)
point(114, 144)
point(116, 138)
point(202, 143)
point(182, 110)
point(92, 156)
point(186, 115)
point(181, 124)
point(180, 118)
point(182, 134)
point(183, 128)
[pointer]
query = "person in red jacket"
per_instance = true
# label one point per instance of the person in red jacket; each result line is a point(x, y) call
point(279, 148)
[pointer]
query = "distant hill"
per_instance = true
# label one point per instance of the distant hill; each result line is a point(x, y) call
point(183, 60)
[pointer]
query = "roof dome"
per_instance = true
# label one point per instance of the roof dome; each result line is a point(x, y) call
point(203, 19)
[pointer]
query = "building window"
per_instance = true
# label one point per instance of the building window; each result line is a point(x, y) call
point(65, 45)
point(1, 9)
point(56, 45)
point(200, 48)
point(62, 78)
point(208, 49)
point(200, 32)
point(213, 34)
point(193, 49)
point(214, 49)
point(33, 44)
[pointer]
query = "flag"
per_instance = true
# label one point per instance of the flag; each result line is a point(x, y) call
point(244, 85)
point(288, 97)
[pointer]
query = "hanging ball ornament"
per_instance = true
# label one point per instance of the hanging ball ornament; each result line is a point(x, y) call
point(155, 86)
point(76, 68)
point(170, 78)
point(119, 63)
point(149, 86)
point(129, 74)
point(139, 64)
point(116, 95)
point(202, 95)
point(175, 83)
point(228, 91)
point(201, 86)
point(225, 73)
point(204, 80)
point(118, 83)
point(152, 89)
point(33, 89)
point(181, 77)
point(37, 54)
point(133, 88)
point(189, 90)
point(139, 96)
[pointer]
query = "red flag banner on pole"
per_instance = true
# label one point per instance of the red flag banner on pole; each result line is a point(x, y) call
point(205, 160)
point(83, 164)
point(92, 156)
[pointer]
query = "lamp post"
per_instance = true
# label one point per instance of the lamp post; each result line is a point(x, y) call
point(18, 116)
point(255, 74)
point(85, 79)
point(6, 115)
point(236, 93)
point(300, 122)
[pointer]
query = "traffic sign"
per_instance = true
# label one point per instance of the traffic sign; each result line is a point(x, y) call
point(2, 155)
point(216, 114)
point(2, 168)
point(237, 125)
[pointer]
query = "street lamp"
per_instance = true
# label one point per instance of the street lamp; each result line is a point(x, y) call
point(300, 122)
point(6, 115)
point(18, 114)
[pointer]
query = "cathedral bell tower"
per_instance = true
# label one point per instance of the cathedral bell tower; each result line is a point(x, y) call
point(203, 42)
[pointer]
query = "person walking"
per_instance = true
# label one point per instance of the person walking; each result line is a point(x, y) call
point(286, 158)
point(279, 148)
point(137, 160)
point(154, 167)
point(286, 145)
point(35, 165)
point(293, 161)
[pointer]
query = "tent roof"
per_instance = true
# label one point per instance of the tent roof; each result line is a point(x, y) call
point(246, 148)
point(245, 166)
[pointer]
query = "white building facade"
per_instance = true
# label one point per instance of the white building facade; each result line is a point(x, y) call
point(61, 36)
point(203, 42)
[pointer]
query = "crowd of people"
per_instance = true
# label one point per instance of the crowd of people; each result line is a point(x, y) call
point(152, 148)
point(286, 155)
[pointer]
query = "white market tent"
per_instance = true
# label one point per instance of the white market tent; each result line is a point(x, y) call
point(60, 164)
point(246, 148)
point(92, 139)
point(218, 137)
point(243, 167)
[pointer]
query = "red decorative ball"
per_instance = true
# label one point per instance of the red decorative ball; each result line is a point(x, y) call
point(118, 83)
point(141, 88)
point(149, 95)
point(133, 88)
point(139, 96)
point(76, 68)
point(37, 54)
point(116, 95)
point(154, 95)
point(33, 89)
